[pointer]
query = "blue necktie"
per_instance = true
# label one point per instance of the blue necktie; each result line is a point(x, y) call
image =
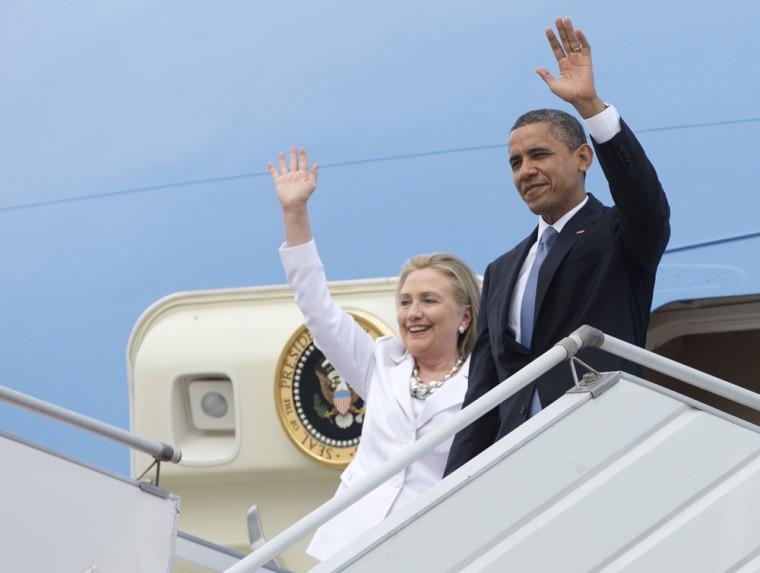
point(528, 308)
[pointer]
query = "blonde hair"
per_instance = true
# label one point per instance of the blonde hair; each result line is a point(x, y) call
point(464, 285)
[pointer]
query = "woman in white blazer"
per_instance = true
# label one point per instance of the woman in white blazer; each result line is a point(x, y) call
point(409, 385)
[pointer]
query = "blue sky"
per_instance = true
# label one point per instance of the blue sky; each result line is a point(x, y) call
point(134, 138)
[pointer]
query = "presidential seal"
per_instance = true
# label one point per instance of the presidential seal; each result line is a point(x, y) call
point(320, 412)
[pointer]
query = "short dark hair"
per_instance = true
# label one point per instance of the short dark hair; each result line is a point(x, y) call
point(565, 127)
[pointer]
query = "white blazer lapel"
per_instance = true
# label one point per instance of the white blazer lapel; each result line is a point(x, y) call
point(450, 395)
point(399, 377)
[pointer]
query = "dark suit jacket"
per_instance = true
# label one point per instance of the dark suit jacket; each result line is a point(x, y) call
point(600, 271)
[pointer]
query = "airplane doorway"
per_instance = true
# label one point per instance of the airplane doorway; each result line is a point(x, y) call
point(718, 336)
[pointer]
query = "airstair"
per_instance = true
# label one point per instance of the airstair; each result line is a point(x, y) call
point(617, 475)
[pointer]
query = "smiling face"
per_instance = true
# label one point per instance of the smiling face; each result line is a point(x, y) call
point(548, 175)
point(429, 316)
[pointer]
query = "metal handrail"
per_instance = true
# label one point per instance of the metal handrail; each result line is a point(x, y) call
point(158, 450)
point(679, 371)
point(565, 349)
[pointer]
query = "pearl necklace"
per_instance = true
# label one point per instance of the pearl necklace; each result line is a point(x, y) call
point(421, 390)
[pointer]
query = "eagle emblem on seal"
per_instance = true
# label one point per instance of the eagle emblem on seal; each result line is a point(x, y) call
point(338, 394)
point(319, 411)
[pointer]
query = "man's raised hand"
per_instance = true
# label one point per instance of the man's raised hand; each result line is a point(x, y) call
point(575, 83)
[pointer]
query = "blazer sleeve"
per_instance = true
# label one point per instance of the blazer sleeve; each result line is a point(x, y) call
point(643, 213)
point(483, 376)
point(344, 343)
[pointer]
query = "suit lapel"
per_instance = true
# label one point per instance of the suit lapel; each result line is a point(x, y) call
point(402, 372)
point(505, 287)
point(450, 395)
point(571, 233)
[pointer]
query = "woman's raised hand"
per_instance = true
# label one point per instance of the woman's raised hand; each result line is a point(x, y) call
point(294, 182)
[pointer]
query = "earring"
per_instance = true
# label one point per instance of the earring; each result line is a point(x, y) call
point(461, 329)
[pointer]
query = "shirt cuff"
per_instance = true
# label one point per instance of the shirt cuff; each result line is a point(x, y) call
point(299, 255)
point(604, 125)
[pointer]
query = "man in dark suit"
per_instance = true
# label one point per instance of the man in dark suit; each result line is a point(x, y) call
point(585, 263)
